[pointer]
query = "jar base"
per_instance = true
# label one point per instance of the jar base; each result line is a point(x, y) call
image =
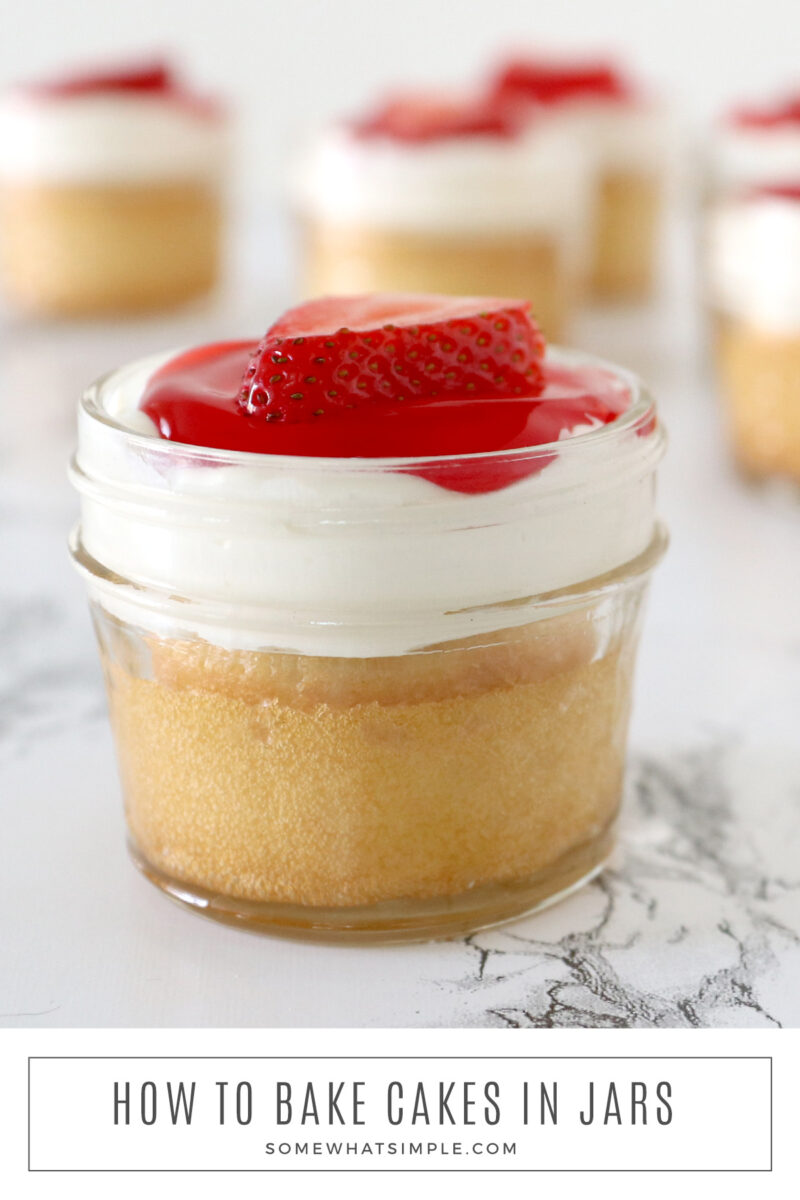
point(439, 917)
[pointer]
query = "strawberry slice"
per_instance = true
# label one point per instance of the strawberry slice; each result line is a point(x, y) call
point(431, 116)
point(334, 355)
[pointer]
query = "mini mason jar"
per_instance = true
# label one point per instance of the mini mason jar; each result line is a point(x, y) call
point(111, 201)
point(368, 699)
point(754, 293)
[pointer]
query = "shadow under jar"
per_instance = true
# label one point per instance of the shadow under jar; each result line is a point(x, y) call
point(351, 701)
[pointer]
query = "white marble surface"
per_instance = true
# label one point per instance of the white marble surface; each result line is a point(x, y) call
point(695, 922)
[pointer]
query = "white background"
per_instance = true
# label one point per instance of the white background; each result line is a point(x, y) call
point(781, 1184)
point(288, 64)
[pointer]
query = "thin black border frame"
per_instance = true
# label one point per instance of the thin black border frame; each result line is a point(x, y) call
point(401, 1170)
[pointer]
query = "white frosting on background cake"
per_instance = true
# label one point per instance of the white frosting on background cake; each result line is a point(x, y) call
point(537, 181)
point(754, 261)
point(742, 155)
point(343, 557)
point(617, 135)
point(107, 138)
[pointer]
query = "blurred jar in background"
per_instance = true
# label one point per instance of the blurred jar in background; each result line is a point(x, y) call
point(446, 193)
point(754, 284)
point(110, 193)
point(626, 137)
point(755, 145)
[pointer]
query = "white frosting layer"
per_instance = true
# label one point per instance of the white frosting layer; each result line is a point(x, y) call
point(104, 138)
point(343, 557)
point(754, 261)
point(616, 136)
point(536, 181)
point(742, 155)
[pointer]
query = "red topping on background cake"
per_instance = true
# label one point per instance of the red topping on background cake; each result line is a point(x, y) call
point(550, 81)
point(785, 112)
point(430, 117)
point(413, 377)
point(153, 77)
point(775, 191)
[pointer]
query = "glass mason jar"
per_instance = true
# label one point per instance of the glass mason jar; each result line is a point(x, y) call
point(753, 240)
point(110, 202)
point(632, 147)
point(352, 700)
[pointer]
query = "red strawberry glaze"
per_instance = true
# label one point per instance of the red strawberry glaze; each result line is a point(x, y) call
point(194, 399)
point(152, 78)
point(775, 191)
point(422, 117)
point(785, 112)
point(550, 81)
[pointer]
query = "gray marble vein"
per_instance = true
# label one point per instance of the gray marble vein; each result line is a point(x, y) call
point(680, 930)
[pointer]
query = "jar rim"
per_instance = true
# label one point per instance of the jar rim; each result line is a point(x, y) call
point(637, 416)
point(345, 557)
